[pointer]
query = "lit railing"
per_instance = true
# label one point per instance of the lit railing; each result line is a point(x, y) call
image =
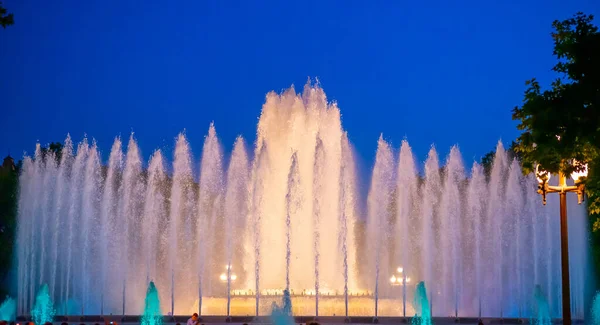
point(300, 293)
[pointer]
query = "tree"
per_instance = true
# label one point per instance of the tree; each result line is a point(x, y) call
point(56, 148)
point(6, 19)
point(8, 221)
point(561, 126)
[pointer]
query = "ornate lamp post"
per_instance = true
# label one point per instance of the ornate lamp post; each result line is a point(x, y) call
point(543, 188)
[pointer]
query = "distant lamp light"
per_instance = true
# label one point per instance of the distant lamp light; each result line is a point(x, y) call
point(400, 270)
point(393, 279)
point(223, 277)
point(233, 277)
point(407, 280)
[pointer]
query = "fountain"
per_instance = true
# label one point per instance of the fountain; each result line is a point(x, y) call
point(282, 315)
point(421, 305)
point(152, 314)
point(227, 233)
point(541, 308)
point(8, 310)
point(43, 310)
point(595, 312)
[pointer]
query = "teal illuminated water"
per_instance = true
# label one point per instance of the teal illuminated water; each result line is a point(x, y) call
point(43, 309)
point(541, 308)
point(152, 314)
point(422, 307)
point(8, 309)
point(595, 319)
point(282, 315)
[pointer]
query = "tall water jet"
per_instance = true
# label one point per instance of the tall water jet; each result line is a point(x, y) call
point(422, 306)
point(290, 123)
point(406, 198)
point(73, 272)
point(513, 235)
point(450, 233)
point(236, 210)
point(130, 212)
point(541, 309)
point(347, 211)
point(532, 241)
point(259, 169)
point(8, 310)
point(152, 314)
point(37, 189)
point(109, 283)
point(90, 225)
point(494, 252)
point(476, 207)
point(50, 169)
point(182, 208)
point(59, 223)
point(293, 201)
point(210, 215)
point(318, 204)
point(43, 310)
point(379, 203)
point(430, 192)
point(155, 215)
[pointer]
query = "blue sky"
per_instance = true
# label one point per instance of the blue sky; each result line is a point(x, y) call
point(436, 72)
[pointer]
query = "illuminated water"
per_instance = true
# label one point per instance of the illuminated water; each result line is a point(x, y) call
point(422, 307)
point(541, 309)
point(595, 319)
point(227, 232)
point(43, 309)
point(152, 314)
point(8, 309)
point(282, 314)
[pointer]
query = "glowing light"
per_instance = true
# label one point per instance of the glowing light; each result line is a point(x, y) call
point(407, 280)
point(582, 173)
point(223, 277)
point(393, 279)
point(541, 175)
point(400, 270)
point(233, 277)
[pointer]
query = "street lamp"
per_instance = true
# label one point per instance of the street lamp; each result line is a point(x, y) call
point(397, 281)
point(543, 188)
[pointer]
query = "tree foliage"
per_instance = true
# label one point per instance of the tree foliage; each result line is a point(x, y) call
point(561, 125)
point(55, 147)
point(8, 221)
point(6, 19)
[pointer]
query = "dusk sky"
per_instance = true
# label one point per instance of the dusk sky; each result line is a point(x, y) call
point(436, 72)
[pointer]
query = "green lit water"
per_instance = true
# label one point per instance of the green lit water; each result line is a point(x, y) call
point(8, 309)
point(422, 307)
point(152, 314)
point(43, 309)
